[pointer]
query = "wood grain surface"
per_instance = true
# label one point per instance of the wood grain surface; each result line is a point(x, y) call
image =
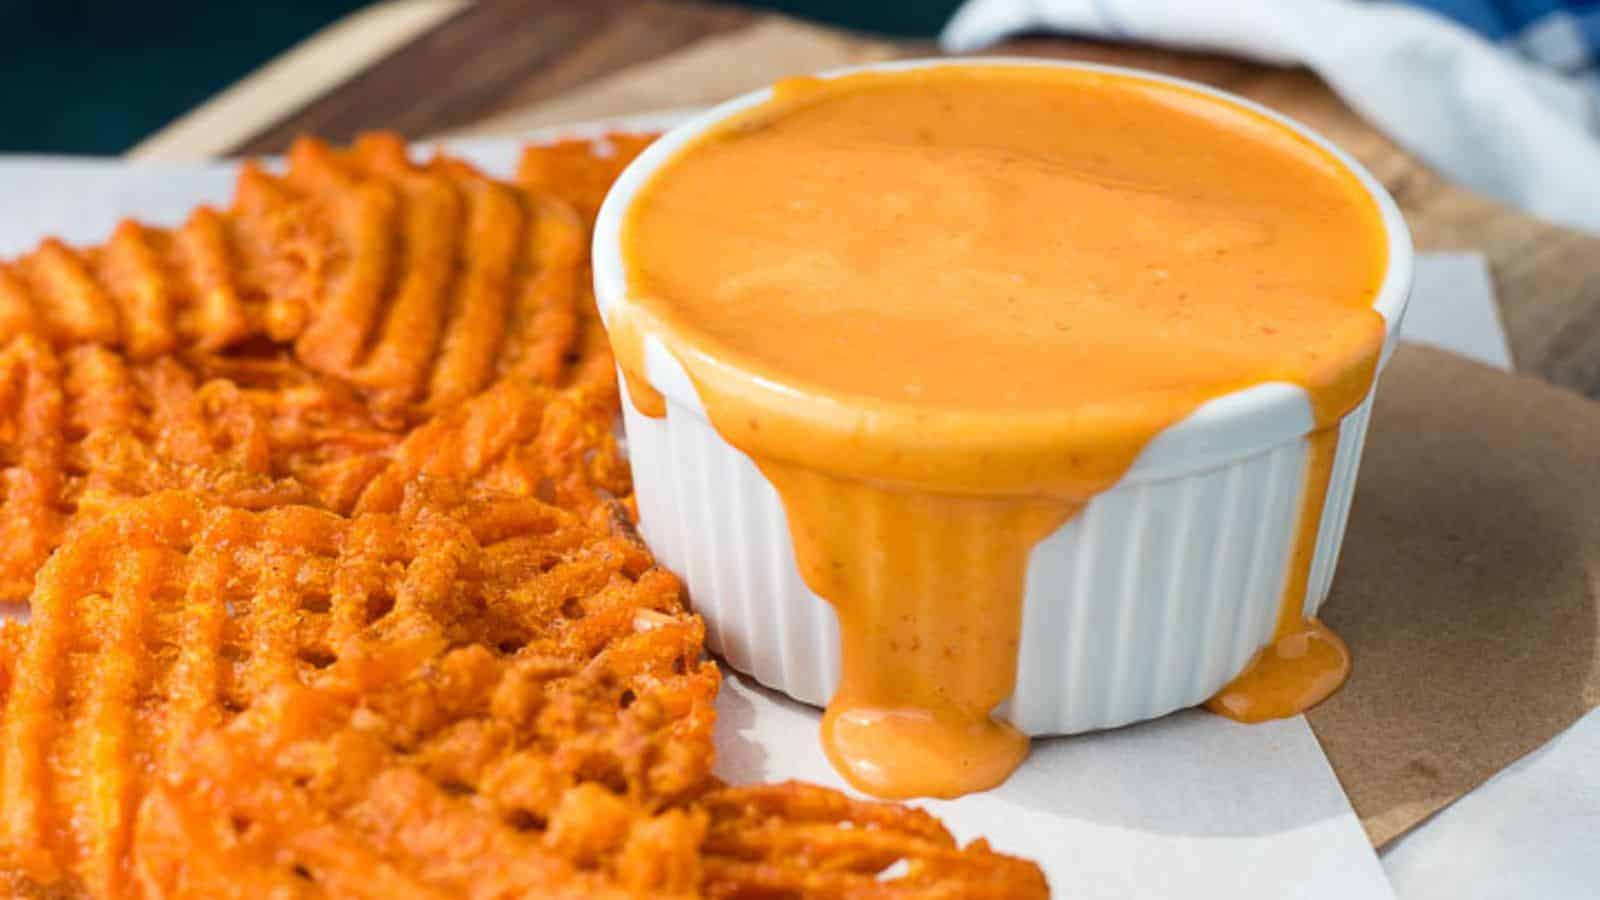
point(497, 55)
point(502, 66)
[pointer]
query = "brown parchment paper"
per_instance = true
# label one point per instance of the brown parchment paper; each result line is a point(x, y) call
point(1467, 587)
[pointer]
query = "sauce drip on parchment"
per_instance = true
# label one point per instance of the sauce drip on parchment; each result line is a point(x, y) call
point(943, 308)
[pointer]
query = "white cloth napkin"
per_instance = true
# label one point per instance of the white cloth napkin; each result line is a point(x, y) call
point(1478, 113)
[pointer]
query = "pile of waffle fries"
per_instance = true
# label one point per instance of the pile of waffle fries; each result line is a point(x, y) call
point(316, 511)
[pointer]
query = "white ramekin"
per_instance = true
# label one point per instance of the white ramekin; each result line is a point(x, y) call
point(1148, 601)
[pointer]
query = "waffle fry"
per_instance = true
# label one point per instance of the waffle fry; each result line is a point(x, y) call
point(420, 283)
point(289, 346)
point(800, 840)
point(466, 628)
point(208, 285)
point(423, 282)
point(514, 438)
point(339, 812)
point(574, 173)
point(84, 429)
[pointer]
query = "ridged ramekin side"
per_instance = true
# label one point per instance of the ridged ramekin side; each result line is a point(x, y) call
point(1148, 601)
point(1159, 592)
point(711, 516)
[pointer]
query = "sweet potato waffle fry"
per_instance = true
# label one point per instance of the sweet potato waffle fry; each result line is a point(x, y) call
point(574, 173)
point(83, 429)
point(577, 172)
point(420, 283)
point(427, 281)
point(508, 646)
point(515, 438)
point(325, 338)
point(801, 840)
point(342, 596)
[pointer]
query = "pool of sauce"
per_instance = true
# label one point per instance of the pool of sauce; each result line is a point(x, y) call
point(943, 308)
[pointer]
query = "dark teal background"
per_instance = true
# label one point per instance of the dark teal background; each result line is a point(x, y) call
point(95, 77)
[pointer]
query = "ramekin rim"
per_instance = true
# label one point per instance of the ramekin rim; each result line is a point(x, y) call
point(1206, 424)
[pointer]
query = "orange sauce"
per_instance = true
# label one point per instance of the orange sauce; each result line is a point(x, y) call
point(942, 309)
point(1306, 662)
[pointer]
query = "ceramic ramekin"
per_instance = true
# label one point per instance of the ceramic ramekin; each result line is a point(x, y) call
point(1148, 601)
